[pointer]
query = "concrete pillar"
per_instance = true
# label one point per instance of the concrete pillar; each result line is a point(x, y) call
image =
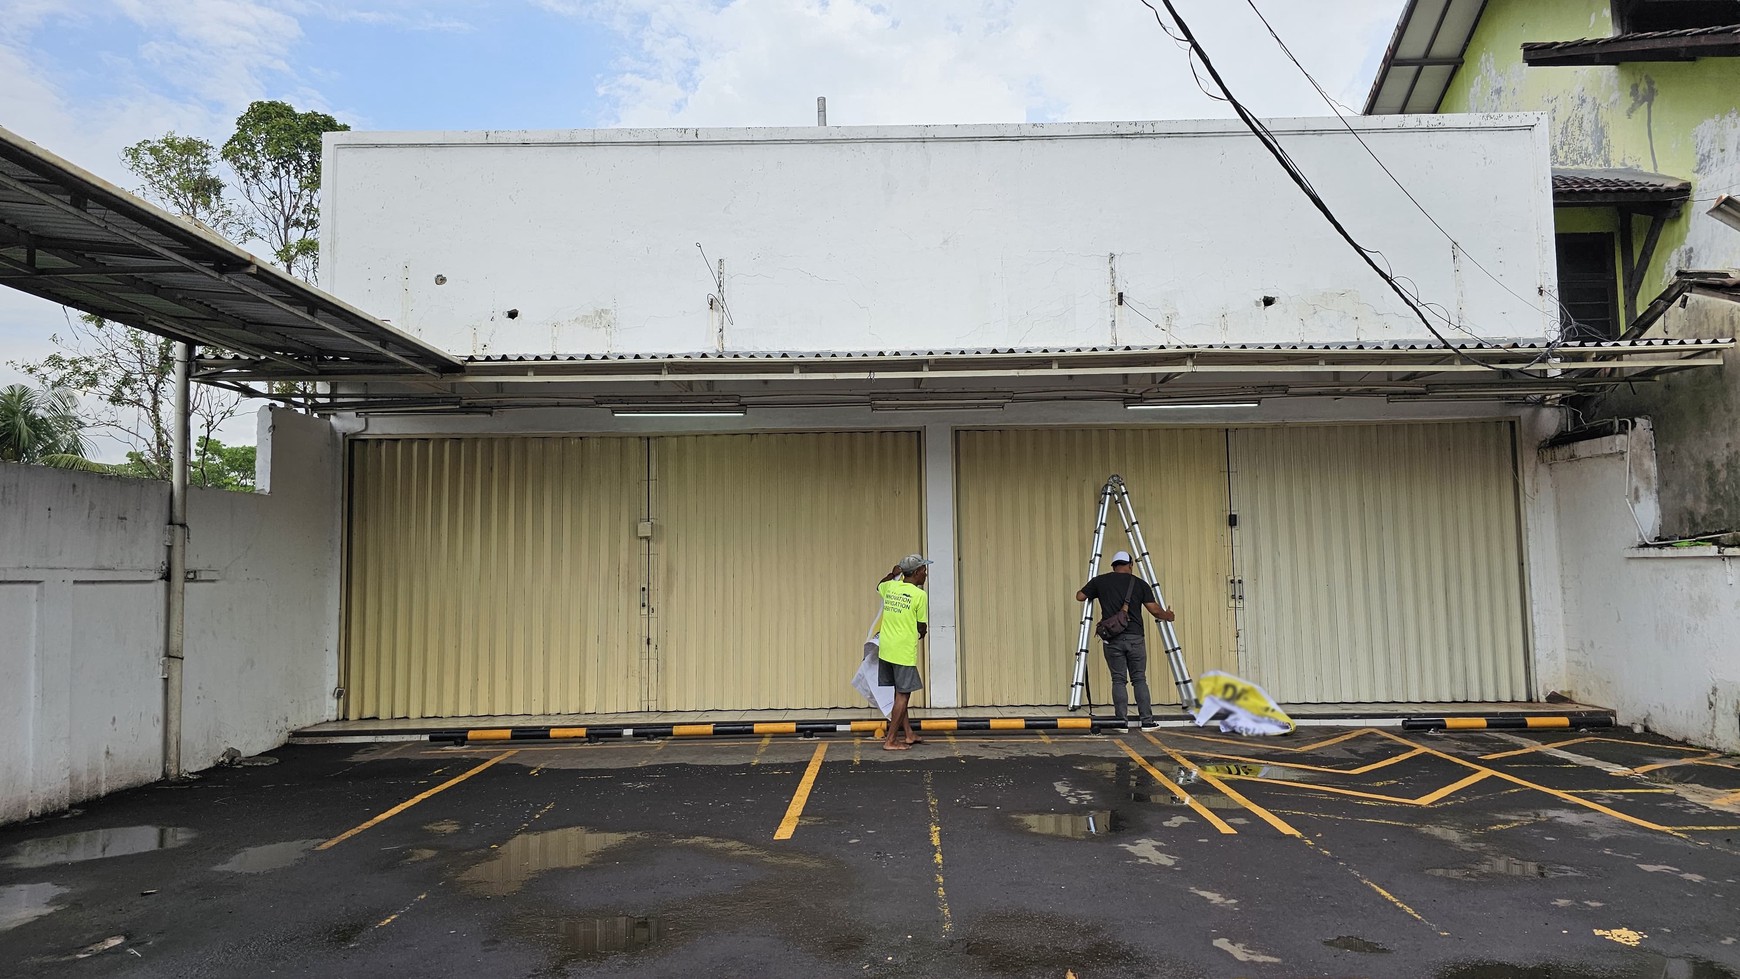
point(943, 686)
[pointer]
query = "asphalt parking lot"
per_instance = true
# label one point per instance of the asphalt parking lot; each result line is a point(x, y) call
point(1328, 853)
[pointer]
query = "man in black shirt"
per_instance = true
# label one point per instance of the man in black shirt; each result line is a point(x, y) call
point(1126, 655)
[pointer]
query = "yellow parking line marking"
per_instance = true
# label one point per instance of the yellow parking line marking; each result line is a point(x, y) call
point(1374, 766)
point(1539, 747)
point(765, 741)
point(389, 919)
point(1367, 881)
point(1714, 764)
point(1639, 770)
point(1265, 815)
point(942, 897)
point(1424, 800)
point(408, 803)
point(788, 825)
point(955, 746)
point(1346, 736)
point(1178, 790)
point(1555, 793)
point(857, 750)
point(1571, 741)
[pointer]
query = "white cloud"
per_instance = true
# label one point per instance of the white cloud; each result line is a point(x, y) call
point(761, 62)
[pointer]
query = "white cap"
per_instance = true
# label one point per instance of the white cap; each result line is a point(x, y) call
point(1122, 557)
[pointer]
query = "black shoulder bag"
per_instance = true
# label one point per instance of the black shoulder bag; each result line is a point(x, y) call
point(1112, 626)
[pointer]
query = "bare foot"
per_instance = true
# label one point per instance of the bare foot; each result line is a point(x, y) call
point(913, 741)
point(895, 746)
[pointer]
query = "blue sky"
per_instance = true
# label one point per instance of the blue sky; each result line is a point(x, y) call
point(85, 78)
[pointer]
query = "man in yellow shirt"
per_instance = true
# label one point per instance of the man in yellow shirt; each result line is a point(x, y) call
point(905, 620)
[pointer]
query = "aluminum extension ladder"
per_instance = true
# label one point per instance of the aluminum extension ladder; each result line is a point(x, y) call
point(1115, 489)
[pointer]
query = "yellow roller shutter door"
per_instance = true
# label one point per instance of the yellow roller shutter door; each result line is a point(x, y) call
point(766, 551)
point(1381, 562)
point(494, 576)
point(1027, 500)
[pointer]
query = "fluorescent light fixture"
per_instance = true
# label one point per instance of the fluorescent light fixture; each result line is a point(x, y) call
point(938, 405)
point(1172, 405)
point(1727, 211)
point(699, 411)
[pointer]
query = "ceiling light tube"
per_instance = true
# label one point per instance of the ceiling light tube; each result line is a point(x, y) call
point(1155, 406)
point(712, 411)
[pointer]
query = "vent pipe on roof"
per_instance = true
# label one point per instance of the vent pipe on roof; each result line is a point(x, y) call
point(821, 110)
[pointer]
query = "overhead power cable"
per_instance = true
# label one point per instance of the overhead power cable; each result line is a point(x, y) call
point(1336, 107)
point(1297, 175)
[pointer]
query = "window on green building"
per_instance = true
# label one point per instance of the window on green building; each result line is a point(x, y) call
point(1640, 16)
point(1588, 287)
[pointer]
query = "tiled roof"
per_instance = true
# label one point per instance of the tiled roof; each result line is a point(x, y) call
point(1598, 183)
point(1600, 42)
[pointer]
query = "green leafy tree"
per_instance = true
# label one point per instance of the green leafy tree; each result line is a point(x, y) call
point(180, 173)
point(275, 154)
point(41, 427)
point(128, 377)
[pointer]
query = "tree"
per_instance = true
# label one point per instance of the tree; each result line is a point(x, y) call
point(131, 375)
point(181, 174)
point(40, 427)
point(275, 154)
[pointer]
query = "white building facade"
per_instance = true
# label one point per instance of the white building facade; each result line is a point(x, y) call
point(721, 379)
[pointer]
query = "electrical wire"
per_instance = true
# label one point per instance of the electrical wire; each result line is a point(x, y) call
point(1565, 316)
point(1297, 175)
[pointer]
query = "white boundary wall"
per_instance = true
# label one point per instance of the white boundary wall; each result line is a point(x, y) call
point(1649, 632)
point(81, 618)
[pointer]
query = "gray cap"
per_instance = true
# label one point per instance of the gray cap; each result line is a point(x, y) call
point(912, 562)
point(1122, 557)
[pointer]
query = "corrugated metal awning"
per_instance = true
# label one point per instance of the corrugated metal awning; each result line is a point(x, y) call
point(1426, 49)
point(995, 376)
point(76, 239)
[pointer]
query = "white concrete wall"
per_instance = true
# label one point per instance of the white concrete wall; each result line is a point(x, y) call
point(1648, 632)
point(81, 618)
point(927, 237)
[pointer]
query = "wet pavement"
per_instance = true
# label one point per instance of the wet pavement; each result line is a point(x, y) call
point(1328, 853)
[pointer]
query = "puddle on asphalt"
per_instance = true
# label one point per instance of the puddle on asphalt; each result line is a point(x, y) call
point(96, 844)
point(529, 854)
point(1641, 966)
point(272, 856)
point(1502, 867)
point(1353, 943)
point(27, 902)
point(1071, 825)
point(592, 938)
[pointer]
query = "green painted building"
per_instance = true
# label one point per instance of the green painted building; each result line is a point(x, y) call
point(1644, 102)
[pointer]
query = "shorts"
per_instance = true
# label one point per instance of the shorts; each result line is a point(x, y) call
point(904, 679)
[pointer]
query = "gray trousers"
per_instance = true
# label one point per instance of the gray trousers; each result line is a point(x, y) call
point(1127, 656)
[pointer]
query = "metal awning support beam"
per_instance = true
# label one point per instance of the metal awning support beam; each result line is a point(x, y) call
point(198, 308)
point(240, 282)
point(162, 323)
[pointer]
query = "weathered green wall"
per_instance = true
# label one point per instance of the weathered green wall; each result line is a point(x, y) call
point(1681, 119)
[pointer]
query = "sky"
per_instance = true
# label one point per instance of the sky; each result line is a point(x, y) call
point(85, 78)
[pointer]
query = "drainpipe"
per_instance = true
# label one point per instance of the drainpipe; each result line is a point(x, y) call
point(175, 603)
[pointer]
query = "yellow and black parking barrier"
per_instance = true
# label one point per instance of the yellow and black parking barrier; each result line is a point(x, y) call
point(721, 729)
point(1511, 722)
